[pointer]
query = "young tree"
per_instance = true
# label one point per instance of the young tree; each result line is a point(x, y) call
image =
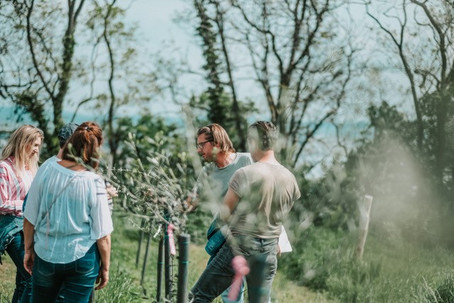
point(37, 63)
point(58, 56)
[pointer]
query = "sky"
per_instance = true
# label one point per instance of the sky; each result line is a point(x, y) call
point(155, 20)
point(155, 24)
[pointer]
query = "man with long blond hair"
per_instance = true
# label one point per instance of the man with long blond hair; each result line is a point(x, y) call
point(18, 166)
point(216, 148)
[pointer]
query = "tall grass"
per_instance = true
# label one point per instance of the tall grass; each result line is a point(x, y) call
point(390, 270)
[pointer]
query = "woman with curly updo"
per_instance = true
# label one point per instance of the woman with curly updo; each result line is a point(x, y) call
point(68, 224)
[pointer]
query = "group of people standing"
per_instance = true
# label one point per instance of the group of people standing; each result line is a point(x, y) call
point(55, 221)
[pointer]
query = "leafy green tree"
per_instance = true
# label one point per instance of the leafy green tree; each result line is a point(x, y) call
point(38, 58)
point(223, 108)
point(127, 82)
point(58, 56)
point(155, 173)
point(286, 48)
point(420, 34)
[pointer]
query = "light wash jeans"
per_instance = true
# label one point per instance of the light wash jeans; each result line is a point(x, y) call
point(218, 275)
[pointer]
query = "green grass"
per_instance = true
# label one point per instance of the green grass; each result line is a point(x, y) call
point(124, 248)
point(7, 279)
point(124, 285)
point(391, 270)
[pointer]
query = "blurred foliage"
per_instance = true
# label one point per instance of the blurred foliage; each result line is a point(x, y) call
point(154, 175)
point(308, 262)
point(409, 206)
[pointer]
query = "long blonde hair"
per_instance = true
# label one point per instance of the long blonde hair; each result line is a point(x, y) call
point(17, 145)
point(217, 134)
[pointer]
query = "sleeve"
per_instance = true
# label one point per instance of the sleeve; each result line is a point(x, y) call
point(9, 204)
point(249, 159)
point(101, 220)
point(297, 192)
point(238, 182)
point(33, 200)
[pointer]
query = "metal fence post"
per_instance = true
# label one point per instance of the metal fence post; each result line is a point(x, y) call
point(168, 266)
point(183, 249)
point(160, 268)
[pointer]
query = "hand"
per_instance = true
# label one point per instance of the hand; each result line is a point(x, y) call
point(111, 191)
point(191, 203)
point(29, 260)
point(102, 279)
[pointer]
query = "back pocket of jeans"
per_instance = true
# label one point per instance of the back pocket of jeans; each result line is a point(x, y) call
point(45, 269)
point(86, 264)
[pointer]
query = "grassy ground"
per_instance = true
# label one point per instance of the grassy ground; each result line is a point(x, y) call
point(7, 278)
point(125, 278)
point(390, 271)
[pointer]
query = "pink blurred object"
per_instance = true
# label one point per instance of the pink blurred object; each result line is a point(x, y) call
point(170, 229)
point(241, 269)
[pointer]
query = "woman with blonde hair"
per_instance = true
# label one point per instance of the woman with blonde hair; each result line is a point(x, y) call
point(67, 223)
point(18, 166)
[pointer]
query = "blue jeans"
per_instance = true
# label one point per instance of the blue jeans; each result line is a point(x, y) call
point(225, 293)
point(15, 250)
point(72, 282)
point(217, 277)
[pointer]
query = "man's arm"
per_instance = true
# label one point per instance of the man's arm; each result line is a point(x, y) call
point(230, 202)
point(29, 257)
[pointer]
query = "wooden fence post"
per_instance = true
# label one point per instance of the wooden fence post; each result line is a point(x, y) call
point(364, 216)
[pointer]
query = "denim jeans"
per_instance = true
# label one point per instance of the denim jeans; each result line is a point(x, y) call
point(15, 250)
point(72, 282)
point(217, 277)
point(225, 293)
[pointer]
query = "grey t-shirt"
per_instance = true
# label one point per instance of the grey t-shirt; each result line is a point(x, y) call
point(267, 193)
point(214, 182)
